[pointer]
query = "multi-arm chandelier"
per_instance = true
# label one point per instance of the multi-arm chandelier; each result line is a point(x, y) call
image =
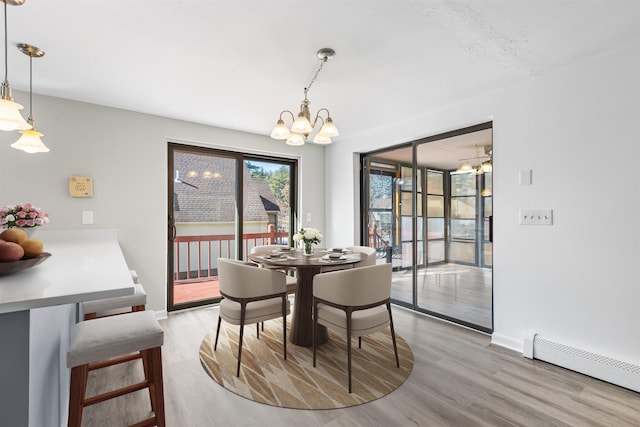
point(302, 125)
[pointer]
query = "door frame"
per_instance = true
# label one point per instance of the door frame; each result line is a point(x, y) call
point(240, 158)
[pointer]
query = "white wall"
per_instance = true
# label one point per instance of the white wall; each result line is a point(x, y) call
point(126, 154)
point(578, 129)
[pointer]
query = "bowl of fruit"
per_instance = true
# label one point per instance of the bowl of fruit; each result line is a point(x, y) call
point(19, 252)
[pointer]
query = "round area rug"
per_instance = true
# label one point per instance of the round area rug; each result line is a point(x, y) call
point(266, 377)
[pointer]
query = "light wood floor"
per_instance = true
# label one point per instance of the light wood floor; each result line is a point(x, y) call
point(458, 379)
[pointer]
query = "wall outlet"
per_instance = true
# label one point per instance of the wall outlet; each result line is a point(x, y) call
point(536, 217)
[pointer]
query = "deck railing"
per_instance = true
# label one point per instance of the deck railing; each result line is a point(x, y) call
point(195, 257)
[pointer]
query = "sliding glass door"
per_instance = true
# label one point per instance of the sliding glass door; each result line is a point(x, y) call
point(221, 204)
point(438, 231)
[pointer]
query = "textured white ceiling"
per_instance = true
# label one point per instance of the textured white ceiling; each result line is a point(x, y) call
point(237, 64)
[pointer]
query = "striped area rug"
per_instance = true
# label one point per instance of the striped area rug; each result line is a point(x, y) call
point(266, 377)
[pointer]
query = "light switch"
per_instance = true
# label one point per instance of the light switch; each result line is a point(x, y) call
point(536, 217)
point(87, 217)
point(524, 176)
point(308, 216)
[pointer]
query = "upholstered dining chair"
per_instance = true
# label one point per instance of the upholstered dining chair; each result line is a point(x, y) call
point(369, 252)
point(251, 295)
point(292, 282)
point(354, 302)
point(369, 260)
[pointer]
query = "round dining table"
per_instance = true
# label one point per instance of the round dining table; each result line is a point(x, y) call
point(306, 266)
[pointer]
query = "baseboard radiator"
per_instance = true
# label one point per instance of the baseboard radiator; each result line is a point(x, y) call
point(595, 365)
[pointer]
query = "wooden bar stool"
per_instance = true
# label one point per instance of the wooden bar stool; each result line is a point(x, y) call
point(109, 341)
point(135, 302)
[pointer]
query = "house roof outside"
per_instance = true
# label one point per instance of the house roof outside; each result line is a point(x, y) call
point(205, 190)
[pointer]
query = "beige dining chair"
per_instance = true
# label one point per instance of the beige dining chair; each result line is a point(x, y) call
point(292, 282)
point(369, 260)
point(352, 303)
point(251, 295)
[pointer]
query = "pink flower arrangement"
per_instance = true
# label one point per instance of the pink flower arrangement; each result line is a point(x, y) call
point(22, 215)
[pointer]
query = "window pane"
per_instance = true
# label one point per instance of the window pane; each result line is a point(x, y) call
point(435, 228)
point(462, 252)
point(436, 251)
point(405, 209)
point(488, 206)
point(488, 254)
point(435, 183)
point(407, 233)
point(463, 207)
point(435, 206)
point(380, 228)
point(406, 179)
point(463, 184)
point(380, 191)
point(463, 229)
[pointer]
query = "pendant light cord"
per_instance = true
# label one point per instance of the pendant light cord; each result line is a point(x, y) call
point(6, 67)
point(31, 89)
point(306, 89)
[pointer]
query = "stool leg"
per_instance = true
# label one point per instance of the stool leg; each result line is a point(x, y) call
point(146, 366)
point(77, 390)
point(156, 386)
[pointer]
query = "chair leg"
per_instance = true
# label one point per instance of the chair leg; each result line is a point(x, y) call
point(215, 345)
point(284, 325)
point(314, 331)
point(76, 394)
point(148, 375)
point(156, 387)
point(243, 313)
point(393, 334)
point(349, 345)
point(258, 329)
point(359, 342)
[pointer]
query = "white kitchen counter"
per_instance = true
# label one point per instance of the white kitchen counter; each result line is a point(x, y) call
point(38, 308)
point(84, 265)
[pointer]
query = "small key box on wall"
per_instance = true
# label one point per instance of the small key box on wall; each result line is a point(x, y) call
point(80, 186)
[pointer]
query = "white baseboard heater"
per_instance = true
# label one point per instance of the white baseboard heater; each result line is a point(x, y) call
point(595, 365)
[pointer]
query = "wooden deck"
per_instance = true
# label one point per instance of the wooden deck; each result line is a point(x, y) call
point(195, 291)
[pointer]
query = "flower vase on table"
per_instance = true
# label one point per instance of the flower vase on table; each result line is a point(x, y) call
point(309, 236)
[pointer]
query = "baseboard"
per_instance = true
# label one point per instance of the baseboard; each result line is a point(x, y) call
point(507, 342)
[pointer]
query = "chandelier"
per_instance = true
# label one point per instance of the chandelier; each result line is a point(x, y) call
point(302, 125)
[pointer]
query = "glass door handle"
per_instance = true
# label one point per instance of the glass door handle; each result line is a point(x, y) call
point(172, 229)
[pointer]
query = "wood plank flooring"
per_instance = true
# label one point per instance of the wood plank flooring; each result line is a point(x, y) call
point(459, 379)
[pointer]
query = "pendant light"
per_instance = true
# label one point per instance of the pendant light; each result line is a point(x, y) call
point(302, 125)
point(30, 140)
point(10, 118)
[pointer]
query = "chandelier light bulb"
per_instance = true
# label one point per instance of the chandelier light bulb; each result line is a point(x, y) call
point(280, 131)
point(301, 124)
point(321, 139)
point(295, 139)
point(329, 129)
